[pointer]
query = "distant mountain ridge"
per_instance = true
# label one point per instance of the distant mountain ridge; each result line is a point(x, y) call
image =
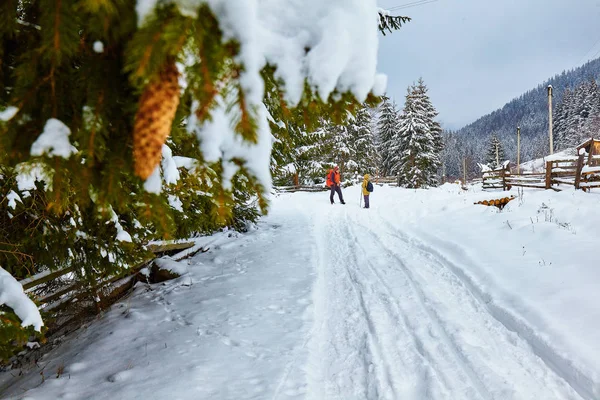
point(530, 112)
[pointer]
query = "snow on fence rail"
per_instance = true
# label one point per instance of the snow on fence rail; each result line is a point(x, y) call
point(65, 292)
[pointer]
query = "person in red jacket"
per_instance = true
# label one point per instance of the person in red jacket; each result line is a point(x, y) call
point(333, 182)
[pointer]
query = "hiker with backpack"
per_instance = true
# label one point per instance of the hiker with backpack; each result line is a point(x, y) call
point(367, 188)
point(334, 183)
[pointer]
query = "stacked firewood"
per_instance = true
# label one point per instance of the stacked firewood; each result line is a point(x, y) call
point(500, 203)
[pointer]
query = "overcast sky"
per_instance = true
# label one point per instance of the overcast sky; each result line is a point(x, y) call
point(476, 55)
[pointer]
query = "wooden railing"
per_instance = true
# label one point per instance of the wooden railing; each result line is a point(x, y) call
point(377, 180)
point(496, 179)
point(568, 171)
point(57, 290)
point(301, 188)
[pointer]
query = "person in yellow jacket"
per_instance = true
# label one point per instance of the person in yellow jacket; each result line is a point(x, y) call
point(367, 188)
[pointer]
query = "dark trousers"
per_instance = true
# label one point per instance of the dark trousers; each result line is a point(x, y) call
point(336, 189)
point(366, 201)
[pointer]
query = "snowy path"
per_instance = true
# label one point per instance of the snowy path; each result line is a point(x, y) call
point(335, 302)
point(392, 322)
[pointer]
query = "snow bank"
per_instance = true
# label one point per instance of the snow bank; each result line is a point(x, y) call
point(534, 264)
point(12, 295)
point(539, 164)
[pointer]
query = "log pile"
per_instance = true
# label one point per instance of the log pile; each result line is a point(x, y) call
point(500, 203)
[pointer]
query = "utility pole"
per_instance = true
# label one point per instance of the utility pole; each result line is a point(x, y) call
point(550, 118)
point(518, 150)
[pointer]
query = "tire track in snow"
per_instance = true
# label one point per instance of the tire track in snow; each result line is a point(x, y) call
point(529, 359)
point(368, 332)
point(373, 335)
point(420, 299)
point(340, 364)
point(561, 366)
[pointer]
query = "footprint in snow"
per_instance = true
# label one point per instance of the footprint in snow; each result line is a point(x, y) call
point(229, 342)
point(277, 309)
point(76, 367)
point(120, 376)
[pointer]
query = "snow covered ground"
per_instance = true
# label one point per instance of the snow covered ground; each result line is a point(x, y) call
point(424, 296)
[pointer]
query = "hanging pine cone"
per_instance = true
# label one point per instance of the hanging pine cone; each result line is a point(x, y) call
point(154, 119)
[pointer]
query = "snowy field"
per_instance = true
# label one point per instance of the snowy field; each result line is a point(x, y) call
point(424, 296)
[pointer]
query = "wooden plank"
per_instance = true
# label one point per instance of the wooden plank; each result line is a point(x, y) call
point(580, 162)
point(529, 186)
point(562, 170)
point(564, 181)
point(49, 298)
point(77, 291)
point(530, 174)
point(162, 247)
point(548, 174)
point(563, 174)
point(540, 181)
point(566, 160)
point(44, 277)
point(590, 184)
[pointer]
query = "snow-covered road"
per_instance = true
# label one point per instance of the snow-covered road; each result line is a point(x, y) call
point(393, 321)
point(337, 302)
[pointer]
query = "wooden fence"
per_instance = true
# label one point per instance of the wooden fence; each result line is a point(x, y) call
point(495, 179)
point(59, 290)
point(557, 173)
point(301, 188)
point(377, 180)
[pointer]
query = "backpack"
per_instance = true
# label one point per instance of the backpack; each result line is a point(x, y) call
point(329, 181)
point(369, 187)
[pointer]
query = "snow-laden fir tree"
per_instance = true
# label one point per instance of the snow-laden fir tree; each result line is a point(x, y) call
point(122, 124)
point(416, 147)
point(577, 115)
point(435, 126)
point(362, 144)
point(495, 154)
point(387, 127)
point(561, 116)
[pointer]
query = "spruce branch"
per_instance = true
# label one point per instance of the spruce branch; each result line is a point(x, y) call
point(390, 23)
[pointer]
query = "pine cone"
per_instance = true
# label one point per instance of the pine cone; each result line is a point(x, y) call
point(154, 119)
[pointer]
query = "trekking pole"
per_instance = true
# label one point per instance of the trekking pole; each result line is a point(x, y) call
point(361, 196)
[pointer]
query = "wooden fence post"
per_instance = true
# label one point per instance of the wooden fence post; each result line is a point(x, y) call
point(580, 162)
point(548, 174)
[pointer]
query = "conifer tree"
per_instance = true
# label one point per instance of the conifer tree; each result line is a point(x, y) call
point(417, 146)
point(495, 154)
point(387, 128)
point(362, 143)
point(114, 125)
point(561, 117)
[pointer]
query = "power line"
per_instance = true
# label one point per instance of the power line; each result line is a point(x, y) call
point(412, 4)
point(587, 52)
point(406, 4)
